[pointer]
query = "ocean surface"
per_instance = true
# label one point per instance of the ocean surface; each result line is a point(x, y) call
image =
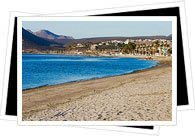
point(49, 69)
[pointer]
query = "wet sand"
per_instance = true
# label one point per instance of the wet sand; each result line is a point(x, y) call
point(145, 95)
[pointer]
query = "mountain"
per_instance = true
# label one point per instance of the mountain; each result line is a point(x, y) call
point(169, 37)
point(31, 41)
point(29, 31)
point(49, 35)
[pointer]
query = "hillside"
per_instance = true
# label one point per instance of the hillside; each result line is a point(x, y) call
point(49, 35)
point(60, 39)
point(103, 39)
point(169, 37)
point(31, 41)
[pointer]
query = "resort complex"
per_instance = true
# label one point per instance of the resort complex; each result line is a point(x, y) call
point(146, 47)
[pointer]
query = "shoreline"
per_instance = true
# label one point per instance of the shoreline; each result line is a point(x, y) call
point(144, 57)
point(93, 78)
point(48, 99)
point(160, 62)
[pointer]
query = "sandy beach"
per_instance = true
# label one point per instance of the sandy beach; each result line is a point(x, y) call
point(145, 95)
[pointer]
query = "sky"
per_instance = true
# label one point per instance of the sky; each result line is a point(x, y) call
point(88, 29)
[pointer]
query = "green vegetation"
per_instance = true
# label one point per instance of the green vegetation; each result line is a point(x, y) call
point(129, 48)
point(170, 50)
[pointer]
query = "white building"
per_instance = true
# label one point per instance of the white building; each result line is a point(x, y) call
point(80, 45)
point(127, 41)
point(93, 47)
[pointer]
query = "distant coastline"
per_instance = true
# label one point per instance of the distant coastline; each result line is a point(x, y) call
point(144, 57)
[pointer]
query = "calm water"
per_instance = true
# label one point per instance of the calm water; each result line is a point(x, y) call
point(39, 70)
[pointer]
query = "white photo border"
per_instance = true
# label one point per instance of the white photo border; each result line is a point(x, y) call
point(101, 11)
point(179, 4)
point(96, 123)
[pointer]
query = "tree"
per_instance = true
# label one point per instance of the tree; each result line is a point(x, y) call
point(130, 47)
point(170, 50)
point(166, 47)
point(138, 49)
point(156, 45)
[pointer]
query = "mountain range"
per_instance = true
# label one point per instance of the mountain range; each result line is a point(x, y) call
point(31, 41)
point(43, 40)
point(49, 35)
point(46, 40)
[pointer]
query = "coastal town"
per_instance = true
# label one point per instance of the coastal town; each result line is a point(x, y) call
point(139, 47)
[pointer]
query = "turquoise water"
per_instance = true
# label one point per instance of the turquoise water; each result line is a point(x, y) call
point(48, 69)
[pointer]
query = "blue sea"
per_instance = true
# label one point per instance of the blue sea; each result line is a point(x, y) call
point(49, 69)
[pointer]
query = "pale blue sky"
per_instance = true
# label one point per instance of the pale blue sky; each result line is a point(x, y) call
point(87, 29)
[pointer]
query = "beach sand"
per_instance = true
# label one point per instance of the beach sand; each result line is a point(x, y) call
point(145, 95)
